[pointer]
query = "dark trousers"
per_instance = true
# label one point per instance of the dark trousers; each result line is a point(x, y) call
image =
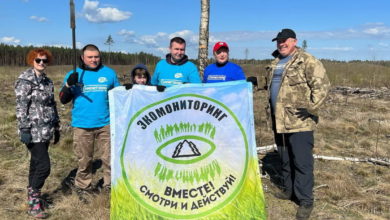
point(296, 154)
point(39, 164)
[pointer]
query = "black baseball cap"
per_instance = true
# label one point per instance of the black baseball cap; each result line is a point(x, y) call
point(284, 34)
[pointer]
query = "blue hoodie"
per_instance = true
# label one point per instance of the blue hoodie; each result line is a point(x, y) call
point(140, 66)
point(169, 74)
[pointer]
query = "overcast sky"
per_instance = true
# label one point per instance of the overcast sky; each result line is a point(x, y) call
point(340, 30)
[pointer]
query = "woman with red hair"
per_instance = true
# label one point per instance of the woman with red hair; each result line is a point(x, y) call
point(38, 123)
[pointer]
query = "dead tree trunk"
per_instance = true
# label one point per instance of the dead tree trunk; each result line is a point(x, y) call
point(203, 35)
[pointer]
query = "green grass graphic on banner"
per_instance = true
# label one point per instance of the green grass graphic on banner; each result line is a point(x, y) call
point(184, 127)
point(202, 174)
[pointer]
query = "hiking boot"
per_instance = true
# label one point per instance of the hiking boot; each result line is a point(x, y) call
point(107, 189)
point(46, 202)
point(36, 208)
point(304, 211)
point(283, 195)
point(102, 188)
point(83, 194)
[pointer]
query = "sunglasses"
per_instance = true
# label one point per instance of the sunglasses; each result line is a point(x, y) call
point(38, 60)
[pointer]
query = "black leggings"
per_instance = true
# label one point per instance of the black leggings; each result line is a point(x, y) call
point(39, 164)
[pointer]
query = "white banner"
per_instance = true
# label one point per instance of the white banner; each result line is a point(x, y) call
point(187, 152)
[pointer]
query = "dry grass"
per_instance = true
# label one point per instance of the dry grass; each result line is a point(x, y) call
point(350, 126)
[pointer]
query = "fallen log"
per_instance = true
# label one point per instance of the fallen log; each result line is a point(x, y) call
point(339, 158)
point(380, 162)
point(383, 162)
point(265, 149)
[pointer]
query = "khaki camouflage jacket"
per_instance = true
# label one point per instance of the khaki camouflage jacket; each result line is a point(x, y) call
point(35, 106)
point(304, 85)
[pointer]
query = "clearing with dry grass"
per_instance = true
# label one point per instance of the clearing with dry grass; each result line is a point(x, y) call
point(351, 125)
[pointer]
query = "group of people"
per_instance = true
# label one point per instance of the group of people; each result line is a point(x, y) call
point(296, 81)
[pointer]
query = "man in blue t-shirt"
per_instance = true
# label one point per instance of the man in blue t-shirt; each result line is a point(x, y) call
point(175, 69)
point(88, 89)
point(222, 70)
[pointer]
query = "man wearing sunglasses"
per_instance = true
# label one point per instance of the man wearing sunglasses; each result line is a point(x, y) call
point(88, 89)
point(222, 70)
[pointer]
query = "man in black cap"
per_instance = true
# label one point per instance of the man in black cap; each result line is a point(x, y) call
point(286, 42)
point(298, 85)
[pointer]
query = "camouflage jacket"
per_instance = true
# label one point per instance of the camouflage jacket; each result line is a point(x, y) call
point(304, 85)
point(35, 106)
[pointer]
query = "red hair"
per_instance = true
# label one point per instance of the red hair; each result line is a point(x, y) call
point(38, 52)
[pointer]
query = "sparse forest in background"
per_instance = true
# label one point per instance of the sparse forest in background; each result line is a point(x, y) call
point(355, 73)
point(16, 56)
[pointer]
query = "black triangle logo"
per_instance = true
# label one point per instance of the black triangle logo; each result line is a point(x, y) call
point(186, 144)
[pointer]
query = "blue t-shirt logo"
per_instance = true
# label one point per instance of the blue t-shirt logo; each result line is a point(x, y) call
point(178, 75)
point(102, 79)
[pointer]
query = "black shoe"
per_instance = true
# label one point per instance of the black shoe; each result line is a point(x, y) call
point(304, 211)
point(283, 195)
point(101, 188)
point(83, 194)
point(107, 189)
